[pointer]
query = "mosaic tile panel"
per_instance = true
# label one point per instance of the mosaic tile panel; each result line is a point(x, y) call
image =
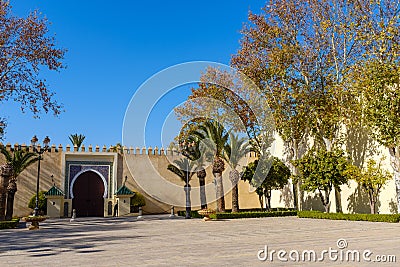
point(74, 167)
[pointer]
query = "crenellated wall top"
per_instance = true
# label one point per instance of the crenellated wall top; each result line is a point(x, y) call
point(97, 149)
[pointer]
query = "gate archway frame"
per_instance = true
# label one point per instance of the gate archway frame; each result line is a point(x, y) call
point(88, 170)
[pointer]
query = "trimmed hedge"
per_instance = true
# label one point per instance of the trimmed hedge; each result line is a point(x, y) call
point(193, 214)
point(9, 224)
point(262, 210)
point(240, 215)
point(391, 218)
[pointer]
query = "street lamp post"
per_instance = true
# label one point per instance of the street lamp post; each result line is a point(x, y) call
point(188, 204)
point(40, 152)
point(184, 147)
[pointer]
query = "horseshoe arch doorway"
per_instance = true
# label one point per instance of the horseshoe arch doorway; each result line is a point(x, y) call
point(88, 195)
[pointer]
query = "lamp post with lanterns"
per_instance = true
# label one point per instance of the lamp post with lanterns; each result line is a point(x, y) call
point(186, 148)
point(39, 150)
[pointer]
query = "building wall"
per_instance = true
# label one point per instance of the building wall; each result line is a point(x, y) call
point(146, 172)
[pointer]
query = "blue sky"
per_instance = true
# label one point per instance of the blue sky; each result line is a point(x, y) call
point(114, 47)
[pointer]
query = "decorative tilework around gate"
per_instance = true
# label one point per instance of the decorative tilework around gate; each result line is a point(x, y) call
point(74, 167)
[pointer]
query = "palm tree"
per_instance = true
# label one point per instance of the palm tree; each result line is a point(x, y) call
point(117, 148)
point(236, 150)
point(199, 153)
point(5, 174)
point(217, 134)
point(201, 175)
point(19, 160)
point(76, 139)
point(182, 168)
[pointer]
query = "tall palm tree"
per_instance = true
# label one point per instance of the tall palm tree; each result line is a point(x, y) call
point(199, 153)
point(236, 150)
point(76, 139)
point(183, 169)
point(201, 175)
point(218, 135)
point(5, 174)
point(19, 161)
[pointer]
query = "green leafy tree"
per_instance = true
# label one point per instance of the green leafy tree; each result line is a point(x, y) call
point(26, 49)
point(322, 171)
point(42, 204)
point(302, 55)
point(380, 82)
point(76, 139)
point(19, 160)
point(375, 78)
point(372, 179)
point(236, 150)
point(270, 56)
point(268, 178)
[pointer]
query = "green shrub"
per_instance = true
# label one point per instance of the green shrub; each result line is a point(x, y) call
point(242, 214)
point(193, 214)
point(9, 224)
point(138, 200)
point(42, 205)
point(239, 215)
point(392, 218)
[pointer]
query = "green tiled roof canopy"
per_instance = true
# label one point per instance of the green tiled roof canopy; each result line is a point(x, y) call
point(54, 191)
point(124, 191)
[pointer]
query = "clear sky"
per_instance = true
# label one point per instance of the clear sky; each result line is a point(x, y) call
point(114, 47)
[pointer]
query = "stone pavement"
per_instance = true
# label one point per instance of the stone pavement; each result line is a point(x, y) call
point(159, 241)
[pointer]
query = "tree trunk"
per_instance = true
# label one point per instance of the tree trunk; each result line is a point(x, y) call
point(218, 167)
point(260, 199)
point(234, 176)
point(327, 201)
point(395, 162)
point(5, 174)
point(219, 190)
point(372, 200)
point(326, 206)
point(235, 198)
point(11, 190)
point(297, 192)
point(268, 203)
point(324, 200)
point(338, 200)
point(372, 206)
point(202, 182)
point(188, 203)
point(268, 196)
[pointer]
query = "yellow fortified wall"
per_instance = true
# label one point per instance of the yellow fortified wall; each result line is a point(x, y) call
point(147, 163)
point(26, 184)
point(149, 166)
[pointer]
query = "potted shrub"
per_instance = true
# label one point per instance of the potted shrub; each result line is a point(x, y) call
point(206, 213)
point(137, 201)
point(42, 205)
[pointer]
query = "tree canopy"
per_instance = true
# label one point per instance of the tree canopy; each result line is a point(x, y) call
point(371, 179)
point(322, 171)
point(267, 179)
point(26, 48)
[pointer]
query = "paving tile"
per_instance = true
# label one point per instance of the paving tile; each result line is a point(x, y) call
point(159, 241)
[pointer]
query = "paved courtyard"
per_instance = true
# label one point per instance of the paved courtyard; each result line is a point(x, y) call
point(159, 241)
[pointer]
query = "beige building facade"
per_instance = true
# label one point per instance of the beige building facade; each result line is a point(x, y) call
point(89, 179)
